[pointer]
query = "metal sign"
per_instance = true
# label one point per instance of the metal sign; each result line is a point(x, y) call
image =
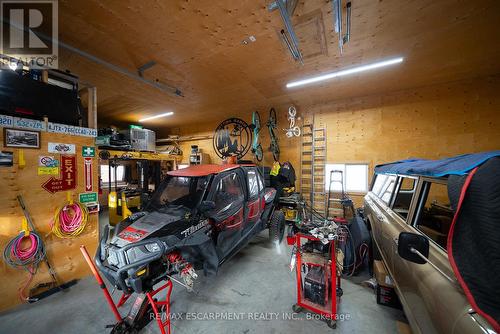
point(48, 170)
point(88, 151)
point(232, 138)
point(47, 161)
point(68, 176)
point(87, 172)
point(87, 197)
point(62, 148)
point(71, 130)
point(31, 124)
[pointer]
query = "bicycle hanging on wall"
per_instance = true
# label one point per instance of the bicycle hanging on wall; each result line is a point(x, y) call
point(256, 146)
point(272, 124)
point(293, 130)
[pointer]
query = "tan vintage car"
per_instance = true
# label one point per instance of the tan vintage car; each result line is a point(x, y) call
point(419, 207)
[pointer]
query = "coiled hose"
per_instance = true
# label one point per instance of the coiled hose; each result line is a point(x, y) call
point(70, 220)
point(18, 256)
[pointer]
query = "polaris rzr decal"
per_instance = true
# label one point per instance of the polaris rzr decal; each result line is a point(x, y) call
point(190, 230)
point(131, 234)
point(146, 225)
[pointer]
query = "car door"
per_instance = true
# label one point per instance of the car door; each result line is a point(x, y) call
point(254, 206)
point(229, 197)
point(433, 300)
point(377, 202)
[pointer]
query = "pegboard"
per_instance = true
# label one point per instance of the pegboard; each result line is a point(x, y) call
point(64, 254)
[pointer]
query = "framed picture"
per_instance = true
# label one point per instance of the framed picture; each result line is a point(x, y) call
point(18, 138)
point(6, 159)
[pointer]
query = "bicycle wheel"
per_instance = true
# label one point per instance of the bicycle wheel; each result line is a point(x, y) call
point(273, 121)
point(276, 151)
point(276, 154)
point(259, 153)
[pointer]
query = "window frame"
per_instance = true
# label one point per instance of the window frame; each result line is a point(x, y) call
point(397, 188)
point(388, 203)
point(423, 191)
point(257, 182)
point(107, 183)
point(344, 175)
point(242, 184)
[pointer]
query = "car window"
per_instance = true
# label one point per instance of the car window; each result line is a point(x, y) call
point(228, 193)
point(253, 185)
point(384, 186)
point(402, 199)
point(260, 180)
point(378, 183)
point(176, 190)
point(435, 217)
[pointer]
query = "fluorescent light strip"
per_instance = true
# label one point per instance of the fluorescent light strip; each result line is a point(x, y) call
point(353, 70)
point(157, 116)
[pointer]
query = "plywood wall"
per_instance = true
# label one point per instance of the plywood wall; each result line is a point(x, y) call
point(427, 122)
point(64, 254)
point(208, 128)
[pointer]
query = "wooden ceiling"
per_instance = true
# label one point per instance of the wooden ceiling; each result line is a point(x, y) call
point(198, 48)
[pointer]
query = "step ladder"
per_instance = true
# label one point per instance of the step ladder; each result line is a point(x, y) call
point(339, 204)
point(312, 161)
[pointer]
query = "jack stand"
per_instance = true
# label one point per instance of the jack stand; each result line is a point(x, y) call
point(143, 310)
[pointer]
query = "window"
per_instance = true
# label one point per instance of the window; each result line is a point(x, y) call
point(253, 185)
point(354, 177)
point(435, 216)
point(403, 198)
point(228, 193)
point(184, 191)
point(120, 173)
point(384, 186)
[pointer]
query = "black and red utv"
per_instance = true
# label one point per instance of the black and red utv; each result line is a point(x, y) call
point(197, 219)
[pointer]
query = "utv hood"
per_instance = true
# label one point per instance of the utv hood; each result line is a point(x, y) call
point(150, 224)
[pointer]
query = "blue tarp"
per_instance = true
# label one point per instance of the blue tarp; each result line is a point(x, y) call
point(458, 165)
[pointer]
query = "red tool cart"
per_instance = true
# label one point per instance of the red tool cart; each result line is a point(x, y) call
point(317, 283)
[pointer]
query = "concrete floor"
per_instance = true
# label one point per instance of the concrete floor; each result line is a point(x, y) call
point(256, 283)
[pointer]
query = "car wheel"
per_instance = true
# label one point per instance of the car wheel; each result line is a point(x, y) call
point(277, 226)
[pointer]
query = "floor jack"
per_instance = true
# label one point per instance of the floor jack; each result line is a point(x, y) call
point(144, 309)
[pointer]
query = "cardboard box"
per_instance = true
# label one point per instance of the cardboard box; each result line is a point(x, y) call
point(381, 274)
point(387, 296)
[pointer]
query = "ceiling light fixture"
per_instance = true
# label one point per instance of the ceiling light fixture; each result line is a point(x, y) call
point(157, 116)
point(341, 73)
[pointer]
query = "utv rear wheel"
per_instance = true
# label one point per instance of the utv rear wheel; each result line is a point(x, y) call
point(277, 226)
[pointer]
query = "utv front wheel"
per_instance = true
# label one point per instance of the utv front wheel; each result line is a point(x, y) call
point(277, 226)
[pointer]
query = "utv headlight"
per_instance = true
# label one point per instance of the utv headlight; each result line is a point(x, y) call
point(138, 253)
point(153, 247)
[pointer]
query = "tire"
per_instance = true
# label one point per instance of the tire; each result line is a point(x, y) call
point(272, 117)
point(277, 226)
point(259, 154)
point(276, 156)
